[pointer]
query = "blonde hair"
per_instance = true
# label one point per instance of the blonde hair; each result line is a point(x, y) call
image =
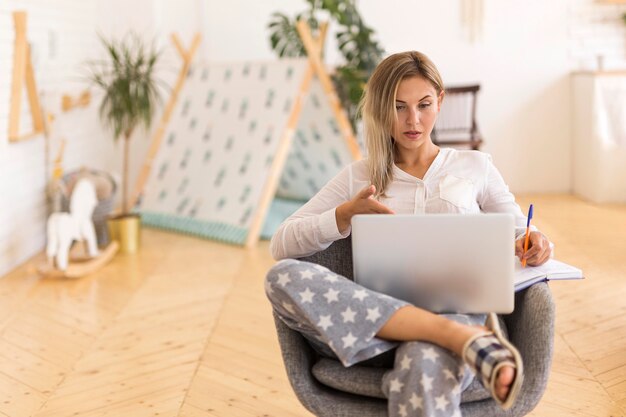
point(378, 108)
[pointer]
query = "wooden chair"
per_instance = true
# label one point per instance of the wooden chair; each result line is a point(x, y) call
point(456, 124)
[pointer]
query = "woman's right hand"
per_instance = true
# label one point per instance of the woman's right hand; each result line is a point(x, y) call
point(362, 203)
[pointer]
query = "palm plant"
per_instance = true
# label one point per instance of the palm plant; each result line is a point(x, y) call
point(355, 41)
point(131, 92)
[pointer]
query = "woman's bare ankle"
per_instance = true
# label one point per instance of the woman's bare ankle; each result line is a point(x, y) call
point(458, 334)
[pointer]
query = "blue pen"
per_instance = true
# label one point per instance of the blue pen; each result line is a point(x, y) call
point(530, 216)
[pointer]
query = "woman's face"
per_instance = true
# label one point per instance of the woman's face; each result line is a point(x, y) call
point(417, 106)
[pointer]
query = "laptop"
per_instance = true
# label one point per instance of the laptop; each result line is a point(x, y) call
point(445, 263)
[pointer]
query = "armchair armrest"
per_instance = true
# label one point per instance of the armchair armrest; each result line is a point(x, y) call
point(531, 330)
point(319, 399)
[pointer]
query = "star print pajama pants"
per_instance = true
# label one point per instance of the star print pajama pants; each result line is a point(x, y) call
point(341, 318)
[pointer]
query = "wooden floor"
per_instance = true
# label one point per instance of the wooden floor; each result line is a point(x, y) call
point(184, 329)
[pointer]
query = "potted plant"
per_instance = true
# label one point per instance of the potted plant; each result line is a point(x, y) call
point(355, 41)
point(130, 96)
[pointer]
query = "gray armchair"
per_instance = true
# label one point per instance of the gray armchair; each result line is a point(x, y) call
point(328, 389)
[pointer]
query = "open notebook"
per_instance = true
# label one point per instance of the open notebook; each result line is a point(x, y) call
point(551, 270)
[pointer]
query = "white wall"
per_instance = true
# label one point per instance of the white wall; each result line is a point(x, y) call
point(522, 67)
point(62, 38)
point(596, 32)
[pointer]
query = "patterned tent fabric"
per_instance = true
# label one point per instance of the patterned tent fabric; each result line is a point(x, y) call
point(214, 161)
point(318, 150)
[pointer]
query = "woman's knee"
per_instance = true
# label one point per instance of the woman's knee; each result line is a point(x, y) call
point(271, 279)
point(278, 279)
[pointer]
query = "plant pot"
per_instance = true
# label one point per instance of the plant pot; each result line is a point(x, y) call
point(126, 230)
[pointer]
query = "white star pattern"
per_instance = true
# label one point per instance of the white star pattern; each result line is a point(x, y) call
point(307, 295)
point(348, 340)
point(427, 383)
point(289, 307)
point(348, 315)
point(330, 278)
point(449, 375)
point(402, 410)
point(416, 401)
point(442, 403)
point(377, 351)
point(360, 294)
point(406, 362)
point(457, 413)
point(456, 390)
point(373, 314)
point(320, 267)
point(325, 322)
point(395, 385)
point(429, 353)
point(331, 295)
point(283, 279)
point(306, 274)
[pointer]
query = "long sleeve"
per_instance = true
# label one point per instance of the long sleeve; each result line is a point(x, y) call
point(314, 227)
point(496, 198)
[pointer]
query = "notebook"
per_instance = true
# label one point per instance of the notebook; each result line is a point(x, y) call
point(551, 270)
point(441, 262)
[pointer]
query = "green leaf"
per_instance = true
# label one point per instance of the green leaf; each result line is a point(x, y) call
point(355, 42)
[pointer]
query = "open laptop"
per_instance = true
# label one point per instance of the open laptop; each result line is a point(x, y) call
point(440, 262)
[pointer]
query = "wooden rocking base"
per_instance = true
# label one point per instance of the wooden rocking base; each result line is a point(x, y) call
point(80, 267)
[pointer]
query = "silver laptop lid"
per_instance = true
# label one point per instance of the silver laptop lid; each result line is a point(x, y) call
point(440, 262)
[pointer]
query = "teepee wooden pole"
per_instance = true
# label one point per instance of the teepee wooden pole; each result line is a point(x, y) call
point(280, 158)
point(187, 57)
point(314, 53)
point(23, 74)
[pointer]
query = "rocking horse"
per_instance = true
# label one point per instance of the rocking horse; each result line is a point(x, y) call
point(66, 228)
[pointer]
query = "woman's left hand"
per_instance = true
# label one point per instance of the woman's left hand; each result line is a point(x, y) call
point(538, 249)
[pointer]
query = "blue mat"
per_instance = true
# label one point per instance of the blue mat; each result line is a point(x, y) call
point(279, 211)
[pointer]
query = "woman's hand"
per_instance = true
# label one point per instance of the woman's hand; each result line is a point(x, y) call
point(538, 249)
point(362, 203)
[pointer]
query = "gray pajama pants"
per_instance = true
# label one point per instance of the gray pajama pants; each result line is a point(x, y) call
point(341, 318)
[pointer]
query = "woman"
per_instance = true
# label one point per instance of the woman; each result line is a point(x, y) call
point(404, 173)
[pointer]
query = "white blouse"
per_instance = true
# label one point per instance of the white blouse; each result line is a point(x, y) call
point(457, 181)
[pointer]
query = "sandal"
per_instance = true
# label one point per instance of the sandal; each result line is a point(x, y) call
point(487, 353)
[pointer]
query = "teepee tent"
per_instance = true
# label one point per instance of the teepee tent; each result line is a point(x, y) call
point(239, 138)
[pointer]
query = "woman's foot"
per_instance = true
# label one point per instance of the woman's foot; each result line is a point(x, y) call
point(461, 334)
point(504, 381)
point(497, 363)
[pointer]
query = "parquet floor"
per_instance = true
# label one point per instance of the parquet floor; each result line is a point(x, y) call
point(184, 329)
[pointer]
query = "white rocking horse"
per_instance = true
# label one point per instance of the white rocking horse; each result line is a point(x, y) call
point(65, 228)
